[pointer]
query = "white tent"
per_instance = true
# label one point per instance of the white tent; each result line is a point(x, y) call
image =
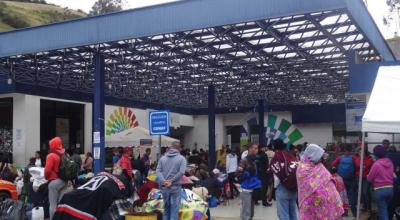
point(382, 113)
point(133, 136)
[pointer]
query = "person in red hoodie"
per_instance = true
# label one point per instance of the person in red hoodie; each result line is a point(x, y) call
point(366, 186)
point(381, 175)
point(146, 188)
point(125, 161)
point(56, 185)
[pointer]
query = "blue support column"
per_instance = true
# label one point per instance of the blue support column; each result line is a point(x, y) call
point(98, 114)
point(261, 124)
point(211, 127)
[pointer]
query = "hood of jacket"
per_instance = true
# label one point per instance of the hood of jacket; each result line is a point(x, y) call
point(172, 152)
point(56, 145)
point(385, 162)
point(231, 156)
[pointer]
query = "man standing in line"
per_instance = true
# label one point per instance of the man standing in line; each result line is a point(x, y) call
point(248, 176)
point(56, 185)
point(170, 169)
point(146, 162)
point(283, 165)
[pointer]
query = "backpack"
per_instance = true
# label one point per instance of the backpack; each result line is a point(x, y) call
point(346, 168)
point(290, 179)
point(68, 169)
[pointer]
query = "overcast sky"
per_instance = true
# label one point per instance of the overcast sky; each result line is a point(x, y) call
point(377, 8)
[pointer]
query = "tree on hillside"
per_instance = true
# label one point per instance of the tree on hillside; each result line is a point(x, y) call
point(106, 6)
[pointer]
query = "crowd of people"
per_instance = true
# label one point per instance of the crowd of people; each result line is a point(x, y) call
point(304, 184)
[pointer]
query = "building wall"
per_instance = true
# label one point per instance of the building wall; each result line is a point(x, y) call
point(198, 135)
point(26, 128)
point(26, 124)
point(318, 133)
point(321, 133)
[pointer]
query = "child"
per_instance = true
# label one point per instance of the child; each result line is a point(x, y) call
point(341, 189)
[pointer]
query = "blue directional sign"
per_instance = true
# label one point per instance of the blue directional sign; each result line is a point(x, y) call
point(159, 123)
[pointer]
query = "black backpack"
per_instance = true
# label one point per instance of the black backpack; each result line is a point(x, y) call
point(68, 169)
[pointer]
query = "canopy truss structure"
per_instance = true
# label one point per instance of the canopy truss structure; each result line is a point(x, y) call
point(296, 59)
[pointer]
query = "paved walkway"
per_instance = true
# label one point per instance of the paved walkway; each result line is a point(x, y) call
point(232, 212)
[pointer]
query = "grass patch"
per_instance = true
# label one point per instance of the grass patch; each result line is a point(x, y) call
point(14, 15)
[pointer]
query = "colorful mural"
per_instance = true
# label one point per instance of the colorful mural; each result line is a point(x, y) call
point(276, 127)
point(284, 130)
point(121, 119)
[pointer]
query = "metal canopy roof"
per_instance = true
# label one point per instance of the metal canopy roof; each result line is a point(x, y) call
point(286, 51)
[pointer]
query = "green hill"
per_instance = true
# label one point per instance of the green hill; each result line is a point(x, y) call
point(14, 15)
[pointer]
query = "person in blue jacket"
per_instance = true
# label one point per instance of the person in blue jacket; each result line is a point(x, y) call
point(248, 176)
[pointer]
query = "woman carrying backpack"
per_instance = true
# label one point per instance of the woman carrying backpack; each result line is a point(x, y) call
point(56, 185)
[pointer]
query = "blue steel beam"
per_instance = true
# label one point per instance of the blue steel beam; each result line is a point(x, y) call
point(168, 18)
point(261, 123)
point(98, 115)
point(211, 128)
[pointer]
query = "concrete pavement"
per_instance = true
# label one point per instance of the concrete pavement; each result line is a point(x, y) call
point(231, 211)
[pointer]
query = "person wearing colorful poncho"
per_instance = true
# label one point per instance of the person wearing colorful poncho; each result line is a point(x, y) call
point(318, 197)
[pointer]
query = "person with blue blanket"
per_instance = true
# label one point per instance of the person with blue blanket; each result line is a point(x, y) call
point(248, 177)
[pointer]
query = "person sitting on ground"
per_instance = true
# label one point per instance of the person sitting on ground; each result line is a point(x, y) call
point(318, 197)
point(88, 164)
point(76, 157)
point(213, 185)
point(381, 176)
point(38, 159)
point(93, 199)
point(201, 172)
point(146, 188)
point(27, 178)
